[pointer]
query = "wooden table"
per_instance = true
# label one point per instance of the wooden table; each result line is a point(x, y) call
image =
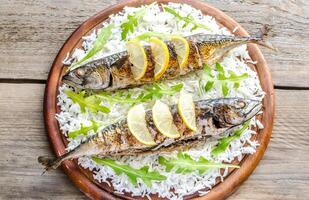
point(31, 33)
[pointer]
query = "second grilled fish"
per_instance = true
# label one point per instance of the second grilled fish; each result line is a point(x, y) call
point(213, 117)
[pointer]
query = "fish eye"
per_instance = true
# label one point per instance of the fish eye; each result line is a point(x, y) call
point(80, 72)
point(239, 104)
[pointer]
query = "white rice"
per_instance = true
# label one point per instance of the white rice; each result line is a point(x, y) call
point(70, 118)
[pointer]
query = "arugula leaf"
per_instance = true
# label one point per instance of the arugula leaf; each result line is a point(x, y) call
point(158, 90)
point(185, 164)
point(90, 102)
point(98, 45)
point(143, 173)
point(225, 81)
point(85, 129)
point(147, 35)
point(131, 23)
point(224, 143)
point(153, 91)
point(187, 19)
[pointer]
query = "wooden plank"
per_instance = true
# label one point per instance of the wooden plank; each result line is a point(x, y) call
point(282, 174)
point(31, 33)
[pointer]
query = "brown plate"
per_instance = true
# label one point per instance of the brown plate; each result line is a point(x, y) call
point(83, 178)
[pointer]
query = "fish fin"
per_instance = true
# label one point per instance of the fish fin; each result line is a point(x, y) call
point(50, 163)
point(260, 38)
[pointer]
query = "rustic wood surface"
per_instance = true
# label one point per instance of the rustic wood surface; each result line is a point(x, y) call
point(31, 33)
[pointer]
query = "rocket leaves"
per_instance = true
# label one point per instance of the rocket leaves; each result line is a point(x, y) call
point(225, 81)
point(147, 35)
point(85, 129)
point(92, 103)
point(184, 164)
point(98, 45)
point(133, 174)
point(224, 143)
point(186, 19)
point(131, 23)
point(154, 91)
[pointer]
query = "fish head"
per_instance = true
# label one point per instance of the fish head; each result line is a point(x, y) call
point(88, 77)
point(235, 111)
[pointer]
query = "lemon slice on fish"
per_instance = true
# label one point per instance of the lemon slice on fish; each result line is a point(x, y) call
point(182, 49)
point(186, 109)
point(160, 56)
point(138, 58)
point(163, 120)
point(137, 125)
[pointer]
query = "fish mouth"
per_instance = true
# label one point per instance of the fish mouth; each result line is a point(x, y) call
point(71, 81)
point(253, 108)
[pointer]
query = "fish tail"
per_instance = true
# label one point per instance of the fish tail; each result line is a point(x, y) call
point(50, 163)
point(261, 38)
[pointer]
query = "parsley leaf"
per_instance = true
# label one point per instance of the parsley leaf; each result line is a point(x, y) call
point(85, 129)
point(92, 103)
point(224, 143)
point(131, 23)
point(187, 19)
point(185, 164)
point(98, 45)
point(143, 173)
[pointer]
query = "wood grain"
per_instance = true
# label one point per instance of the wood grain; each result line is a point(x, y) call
point(282, 174)
point(31, 32)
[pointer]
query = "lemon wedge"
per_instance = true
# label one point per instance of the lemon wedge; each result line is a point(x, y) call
point(137, 125)
point(138, 58)
point(186, 109)
point(160, 55)
point(182, 49)
point(163, 120)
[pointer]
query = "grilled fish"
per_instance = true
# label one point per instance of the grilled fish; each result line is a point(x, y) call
point(213, 117)
point(114, 71)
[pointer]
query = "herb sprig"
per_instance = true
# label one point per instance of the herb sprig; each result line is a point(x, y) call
point(225, 81)
point(147, 35)
point(85, 129)
point(98, 45)
point(133, 174)
point(90, 102)
point(224, 143)
point(185, 164)
point(131, 23)
point(187, 19)
point(154, 91)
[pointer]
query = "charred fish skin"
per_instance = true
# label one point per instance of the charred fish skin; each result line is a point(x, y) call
point(213, 117)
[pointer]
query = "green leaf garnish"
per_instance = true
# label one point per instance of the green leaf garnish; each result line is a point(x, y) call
point(187, 19)
point(131, 23)
point(85, 129)
point(147, 35)
point(158, 90)
point(224, 80)
point(224, 143)
point(98, 45)
point(153, 91)
point(143, 173)
point(184, 164)
point(92, 103)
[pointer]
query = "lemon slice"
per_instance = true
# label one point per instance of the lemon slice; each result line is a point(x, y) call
point(160, 55)
point(137, 125)
point(182, 49)
point(163, 120)
point(186, 109)
point(138, 58)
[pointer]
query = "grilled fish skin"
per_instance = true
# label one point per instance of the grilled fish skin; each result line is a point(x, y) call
point(114, 72)
point(213, 117)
